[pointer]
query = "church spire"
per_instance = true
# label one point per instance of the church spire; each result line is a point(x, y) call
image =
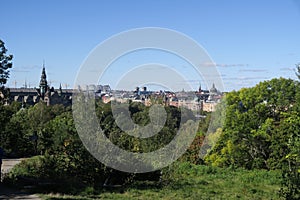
point(200, 89)
point(60, 90)
point(213, 89)
point(43, 81)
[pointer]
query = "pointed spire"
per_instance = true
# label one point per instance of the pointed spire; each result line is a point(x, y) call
point(43, 81)
point(60, 89)
point(213, 89)
point(200, 89)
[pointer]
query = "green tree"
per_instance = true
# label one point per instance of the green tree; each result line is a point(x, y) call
point(298, 70)
point(23, 127)
point(65, 159)
point(8, 114)
point(18, 135)
point(291, 169)
point(5, 65)
point(253, 135)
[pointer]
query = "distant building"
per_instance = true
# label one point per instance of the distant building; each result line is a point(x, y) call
point(43, 93)
point(201, 100)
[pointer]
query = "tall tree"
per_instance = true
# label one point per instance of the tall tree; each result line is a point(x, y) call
point(255, 134)
point(5, 65)
point(298, 70)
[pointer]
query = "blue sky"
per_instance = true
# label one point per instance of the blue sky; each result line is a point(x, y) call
point(250, 41)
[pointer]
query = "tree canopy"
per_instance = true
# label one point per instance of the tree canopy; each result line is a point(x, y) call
point(298, 71)
point(5, 65)
point(257, 126)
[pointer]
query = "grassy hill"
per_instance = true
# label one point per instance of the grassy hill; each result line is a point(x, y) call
point(188, 181)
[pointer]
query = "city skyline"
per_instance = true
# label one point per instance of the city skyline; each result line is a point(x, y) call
point(249, 41)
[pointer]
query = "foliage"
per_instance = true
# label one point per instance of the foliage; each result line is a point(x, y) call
point(27, 168)
point(254, 128)
point(255, 134)
point(140, 115)
point(23, 127)
point(65, 160)
point(62, 150)
point(7, 138)
point(291, 171)
point(18, 141)
point(5, 65)
point(192, 153)
point(261, 131)
point(188, 181)
point(298, 71)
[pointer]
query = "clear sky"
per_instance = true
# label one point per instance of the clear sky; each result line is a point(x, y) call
point(250, 41)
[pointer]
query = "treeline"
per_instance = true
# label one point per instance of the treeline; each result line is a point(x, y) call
point(262, 131)
point(49, 132)
point(25, 132)
point(261, 124)
point(253, 128)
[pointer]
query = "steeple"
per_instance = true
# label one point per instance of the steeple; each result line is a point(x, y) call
point(60, 90)
point(199, 90)
point(43, 82)
point(213, 89)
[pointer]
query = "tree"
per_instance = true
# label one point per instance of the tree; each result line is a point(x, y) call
point(255, 134)
point(17, 135)
point(298, 70)
point(5, 65)
point(6, 114)
point(291, 169)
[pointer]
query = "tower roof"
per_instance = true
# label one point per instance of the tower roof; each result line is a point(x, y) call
point(43, 81)
point(213, 89)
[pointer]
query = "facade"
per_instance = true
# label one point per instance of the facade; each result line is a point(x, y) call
point(31, 96)
point(201, 100)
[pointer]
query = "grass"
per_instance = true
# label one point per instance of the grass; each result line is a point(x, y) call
point(187, 181)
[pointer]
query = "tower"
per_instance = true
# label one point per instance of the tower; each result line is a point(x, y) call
point(43, 82)
point(200, 89)
point(60, 90)
point(213, 89)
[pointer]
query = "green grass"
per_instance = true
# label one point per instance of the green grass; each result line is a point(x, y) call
point(187, 181)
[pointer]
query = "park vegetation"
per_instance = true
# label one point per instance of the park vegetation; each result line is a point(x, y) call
point(260, 132)
point(255, 140)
